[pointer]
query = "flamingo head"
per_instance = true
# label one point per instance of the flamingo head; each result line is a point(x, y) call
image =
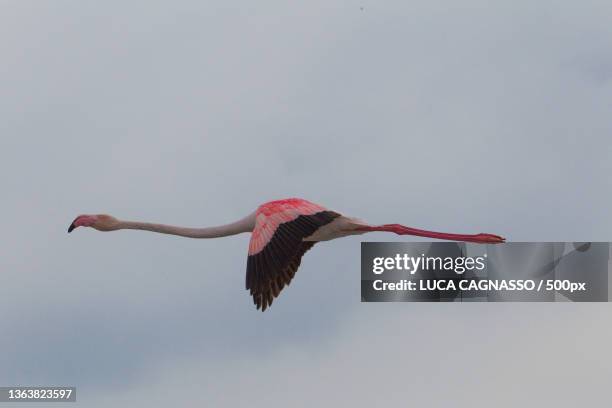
point(100, 222)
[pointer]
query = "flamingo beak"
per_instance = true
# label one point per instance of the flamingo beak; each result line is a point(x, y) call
point(72, 226)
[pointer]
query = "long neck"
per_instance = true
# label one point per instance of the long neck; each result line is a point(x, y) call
point(244, 225)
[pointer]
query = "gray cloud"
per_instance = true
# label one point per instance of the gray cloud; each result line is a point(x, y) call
point(461, 118)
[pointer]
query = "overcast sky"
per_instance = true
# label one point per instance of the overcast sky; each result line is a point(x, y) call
point(461, 116)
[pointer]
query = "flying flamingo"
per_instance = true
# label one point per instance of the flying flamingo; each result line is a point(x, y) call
point(281, 232)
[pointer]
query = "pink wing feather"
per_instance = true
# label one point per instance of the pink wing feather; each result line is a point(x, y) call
point(271, 214)
point(277, 245)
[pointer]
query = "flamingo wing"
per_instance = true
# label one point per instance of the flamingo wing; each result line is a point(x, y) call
point(277, 245)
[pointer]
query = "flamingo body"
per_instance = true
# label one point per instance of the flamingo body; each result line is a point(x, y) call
point(269, 216)
point(278, 242)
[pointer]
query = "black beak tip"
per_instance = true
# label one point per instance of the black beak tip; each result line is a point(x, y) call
point(71, 227)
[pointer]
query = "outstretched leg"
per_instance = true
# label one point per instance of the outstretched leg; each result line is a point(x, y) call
point(403, 230)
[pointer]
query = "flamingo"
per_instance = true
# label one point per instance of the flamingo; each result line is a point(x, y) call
point(281, 233)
